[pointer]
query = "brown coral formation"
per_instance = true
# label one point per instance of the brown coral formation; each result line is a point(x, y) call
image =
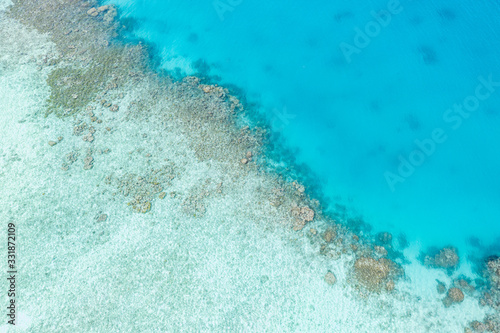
point(330, 278)
point(88, 162)
point(371, 273)
point(446, 258)
point(478, 326)
point(493, 267)
point(491, 297)
point(465, 286)
point(302, 215)
point(385, 237)
point(143, 189)
point(329, 235)
point(441, 287)
point(454, 295)
point(380, 250)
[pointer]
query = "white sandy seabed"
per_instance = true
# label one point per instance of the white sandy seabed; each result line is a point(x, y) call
point(228, 271)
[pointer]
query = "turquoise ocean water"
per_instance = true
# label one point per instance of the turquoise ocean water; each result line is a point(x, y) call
point(394, 105)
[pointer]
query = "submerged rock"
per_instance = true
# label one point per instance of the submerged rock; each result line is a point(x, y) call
point(329, 235)
point(88, 138)
point(384, 238)
point(302, 216)
point(143, 189)
point(92, 12)
point(88, 162)
point(390, 285)
point(455, 295)
point(78, 130)
point(493, 267)
point(330, 278)
point(446, 258)
point(144, 207)
point(372, 273)
point(381, 250)
point(465, 286)
point(307, 214)
point(441, 287)
point(298, 225)
point(102, 8)
point(478, 326)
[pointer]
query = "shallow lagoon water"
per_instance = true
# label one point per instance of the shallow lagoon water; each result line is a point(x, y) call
point(352, 116)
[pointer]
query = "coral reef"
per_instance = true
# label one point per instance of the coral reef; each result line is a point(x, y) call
point(374, 274)
point(445, 258)
point(144, 189)
point(330, 278)
point(454, 295)
point(95, 80)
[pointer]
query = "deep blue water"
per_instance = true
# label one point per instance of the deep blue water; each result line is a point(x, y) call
point(353, 104)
